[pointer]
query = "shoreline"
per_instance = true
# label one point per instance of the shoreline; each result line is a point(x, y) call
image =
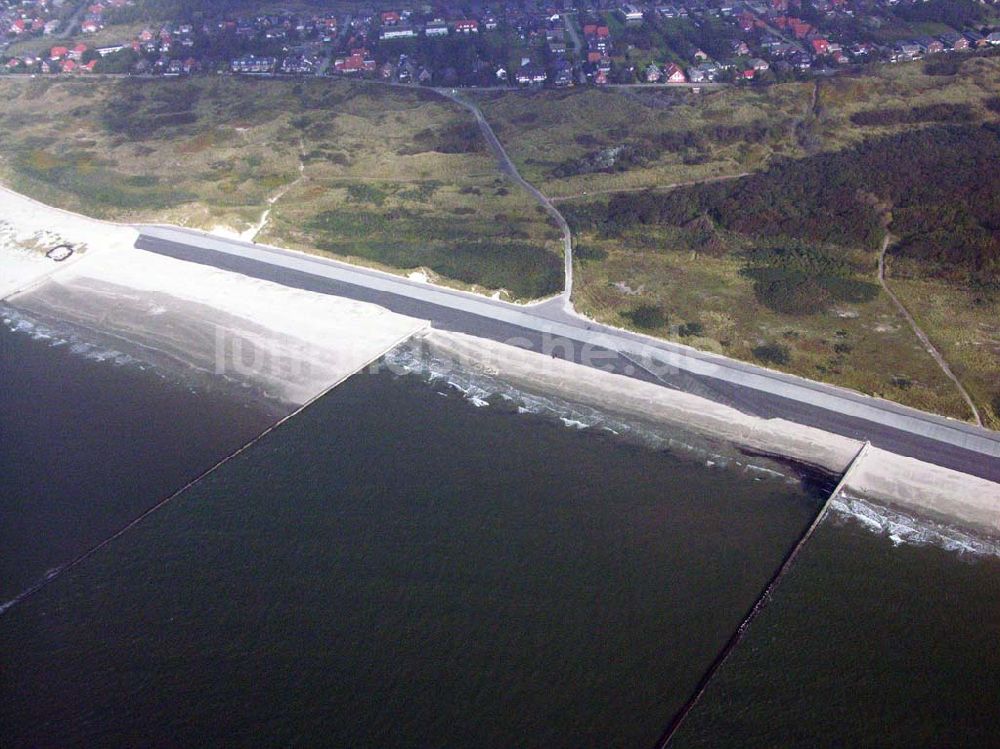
point(286, 343)
point(547, 327)
point(935, 493)
point(311, 339)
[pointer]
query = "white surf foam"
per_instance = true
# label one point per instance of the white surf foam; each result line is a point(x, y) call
point(902, 529)
point(480, 387)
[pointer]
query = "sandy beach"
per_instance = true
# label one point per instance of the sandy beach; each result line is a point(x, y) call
point(288, 343)
point(933, 492)
point(293, 344)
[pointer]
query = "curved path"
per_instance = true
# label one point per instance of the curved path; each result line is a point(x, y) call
point(650, 188)
point(567, 310)
point(508, 168)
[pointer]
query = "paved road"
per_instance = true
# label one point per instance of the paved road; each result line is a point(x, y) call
point(73, 21)
point(507, 167)
point(571, 30)
point(550, 328)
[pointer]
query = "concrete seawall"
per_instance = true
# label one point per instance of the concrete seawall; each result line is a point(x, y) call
point(754, 390)
point(883, 477)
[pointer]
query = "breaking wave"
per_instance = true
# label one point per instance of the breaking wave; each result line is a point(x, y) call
point(120, 351)
point(58, 335)
point(483, 389)
point(900, 528)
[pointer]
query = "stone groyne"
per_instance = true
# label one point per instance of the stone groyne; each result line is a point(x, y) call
point(928, 490)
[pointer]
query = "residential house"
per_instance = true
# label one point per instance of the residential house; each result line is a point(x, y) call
point(299, 65)
point(437, 27)
point(253, 65)
point(704, 73)
point(905, 51)
point(563, 74)
point(466, 26)
point(929, 45)
point(975, 39)
point(357, 62)
point(820, 46)
point(673, 74)
point(631, 13)
point(653, 74)
point(954, 41)
point(397, 32)
point(530, 74)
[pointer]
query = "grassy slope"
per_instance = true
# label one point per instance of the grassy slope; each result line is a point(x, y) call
point(398, 178)
point(865, 345)
point(543, 130)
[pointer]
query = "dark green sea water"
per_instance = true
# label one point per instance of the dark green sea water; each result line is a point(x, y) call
point(396, 567)
point(866, 643)
point(90, 437)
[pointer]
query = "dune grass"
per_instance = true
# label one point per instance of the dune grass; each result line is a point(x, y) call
point(701, 284)
point(397, 177)
point(681, 136)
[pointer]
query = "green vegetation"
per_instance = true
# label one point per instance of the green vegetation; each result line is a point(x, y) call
point(647, 316)
point(398, 178)
point(751, 218)
point(581, 141)
point(929, 185)
point(804, 281)
point(773, 353)
point(571, 142)
point(943, 112)
point(779, 266)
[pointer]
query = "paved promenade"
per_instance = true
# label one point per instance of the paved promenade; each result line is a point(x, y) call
point(548, 327)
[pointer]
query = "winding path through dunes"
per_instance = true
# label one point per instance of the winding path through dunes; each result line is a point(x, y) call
point(507, 167)
point(650, 188)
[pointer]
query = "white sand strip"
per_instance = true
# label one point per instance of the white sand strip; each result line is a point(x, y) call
point(938, 493)
point(630, 397)
point(886, 478)
point(290, 343)
point(28, 229)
